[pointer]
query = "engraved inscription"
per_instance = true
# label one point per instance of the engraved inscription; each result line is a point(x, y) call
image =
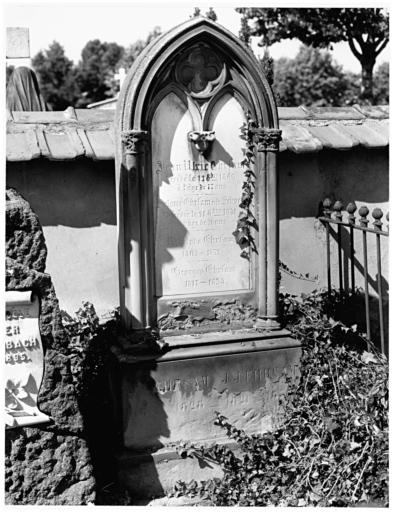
point(197, 202)
point(24, 360)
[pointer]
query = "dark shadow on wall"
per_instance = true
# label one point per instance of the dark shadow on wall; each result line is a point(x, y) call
point(359, 316)
point(358, 175)
point(76, 193)
point(354, 175)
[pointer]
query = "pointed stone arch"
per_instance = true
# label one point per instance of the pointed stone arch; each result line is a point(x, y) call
point(200, 63)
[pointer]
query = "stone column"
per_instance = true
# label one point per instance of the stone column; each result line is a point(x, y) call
point(132, 254)
point(267, 141)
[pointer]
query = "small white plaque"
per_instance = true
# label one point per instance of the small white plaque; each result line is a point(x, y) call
point(24, 360)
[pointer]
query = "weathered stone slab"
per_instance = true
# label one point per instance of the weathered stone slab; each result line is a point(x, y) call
point(167, 402)
point(18, 43)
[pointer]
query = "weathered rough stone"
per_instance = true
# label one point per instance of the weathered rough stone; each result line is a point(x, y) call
point(50, 464)
point(25, 242)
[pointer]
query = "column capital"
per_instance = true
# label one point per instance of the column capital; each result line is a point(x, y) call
point(134, 141)
point(267, 139)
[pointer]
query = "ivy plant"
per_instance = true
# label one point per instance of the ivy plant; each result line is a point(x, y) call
point(332, 447)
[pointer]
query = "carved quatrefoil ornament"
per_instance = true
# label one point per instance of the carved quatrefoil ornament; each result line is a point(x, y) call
point(201, 72)
point(201, 140)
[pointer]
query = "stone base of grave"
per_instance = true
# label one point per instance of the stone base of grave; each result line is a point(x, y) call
point(172, 399)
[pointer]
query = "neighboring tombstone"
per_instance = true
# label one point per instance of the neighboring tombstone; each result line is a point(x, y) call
point(24, 360)
point(17, 43)
point(180, 178)
point(47, 463)
point(121, 76)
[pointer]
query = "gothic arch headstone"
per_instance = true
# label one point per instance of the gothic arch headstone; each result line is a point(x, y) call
point(179, 179)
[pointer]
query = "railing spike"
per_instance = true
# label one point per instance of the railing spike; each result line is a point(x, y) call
point(338, 207)
point(377, 214)
point(363, 212)
point(351, 209)
point(326, 207)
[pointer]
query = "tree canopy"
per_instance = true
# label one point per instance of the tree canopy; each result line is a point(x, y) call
point(96, 70)
point(311, 78)
point(56, 76)
point(365, 30)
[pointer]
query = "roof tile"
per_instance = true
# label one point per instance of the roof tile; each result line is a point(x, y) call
point(85, 143)
point(95, 116)
point(332, 137)
point(380, 127)
point(101, 142)
point(62, 147)
point(374, 112)
point(42, 143)
point(366, 136)
point(22, 146)
point(336, 113)
point(287, 113)
point(299, 139)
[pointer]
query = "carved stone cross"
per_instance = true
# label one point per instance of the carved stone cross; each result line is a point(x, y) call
point(121, 76)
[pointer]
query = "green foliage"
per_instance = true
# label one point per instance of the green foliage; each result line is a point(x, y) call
point(332, 448)
point(267, 64)
point(246, 219)
point(312, 78)
point(245, 31)
point(89, 354)
point(381, 84)
point(132, 52)
point(96, 71)
point(365, 30)
point(211, 15)
point(89, 345)
point(56, 76)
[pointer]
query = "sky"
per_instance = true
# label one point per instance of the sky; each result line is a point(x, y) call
point(73, 24)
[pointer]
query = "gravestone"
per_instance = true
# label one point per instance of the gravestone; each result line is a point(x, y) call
point(179, 174)
point(47, 460)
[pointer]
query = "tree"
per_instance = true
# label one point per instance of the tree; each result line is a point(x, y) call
point(245, 31)
point(211, 15)
point(131, 53)
point(310, 79)
point(96, 70)
point(56, 77)
point(365, 30)
point(267, 64)
point(381, 84)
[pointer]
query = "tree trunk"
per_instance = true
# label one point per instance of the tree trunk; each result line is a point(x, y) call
point(366, 90)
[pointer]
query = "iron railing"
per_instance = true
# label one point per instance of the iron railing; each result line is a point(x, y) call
point(349, 227)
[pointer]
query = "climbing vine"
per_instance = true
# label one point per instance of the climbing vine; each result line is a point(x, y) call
point(332, 449)
point(246, 219)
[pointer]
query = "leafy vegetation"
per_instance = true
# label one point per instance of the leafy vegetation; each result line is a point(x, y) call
point(57, 77)
point(365, 30)
point(332, 448)
point(246, 219)
point(89, 353)
point(311, 79)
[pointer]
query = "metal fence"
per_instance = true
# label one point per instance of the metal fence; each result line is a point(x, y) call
point(349, 227)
